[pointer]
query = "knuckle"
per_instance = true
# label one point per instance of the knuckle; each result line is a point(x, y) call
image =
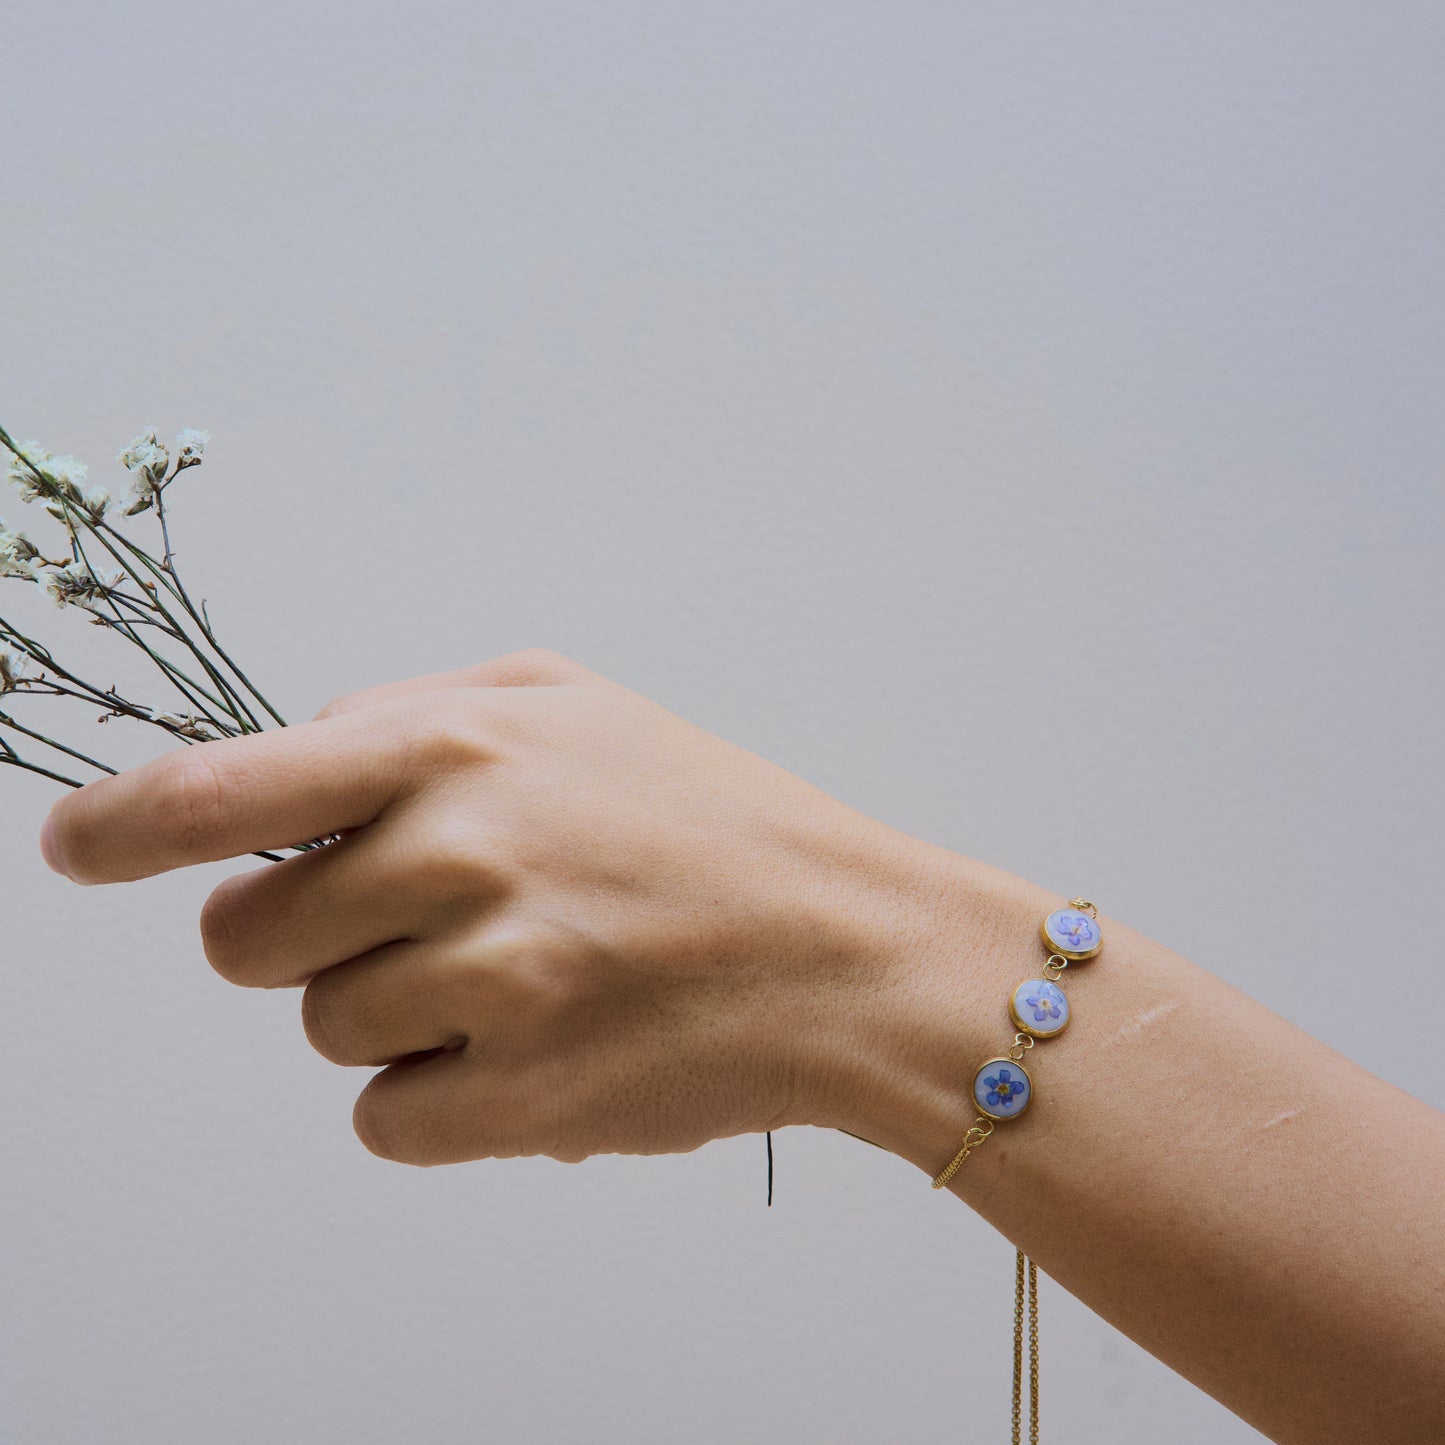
point(189, 801)
point(342, 703)
point(453, 861)
point(534, 666)
point(454, 729)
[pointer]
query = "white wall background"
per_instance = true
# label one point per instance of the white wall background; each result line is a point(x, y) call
point(968, 406)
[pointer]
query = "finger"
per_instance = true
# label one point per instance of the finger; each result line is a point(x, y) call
point(459, 1105)
point(404, 998)
point(276, 926)
point(236, 795)
point(533, 667)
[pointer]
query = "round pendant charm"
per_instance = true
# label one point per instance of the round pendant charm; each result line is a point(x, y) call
point(1002, 1089)
point(1039, 1008)
point(1072, 933)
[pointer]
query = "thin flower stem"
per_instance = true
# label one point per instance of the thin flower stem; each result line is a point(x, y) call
point(37, 652)
point(180, 633)
point(168, 572)
point(191, 690)
point(116, 707)
point(179, 679)
point(7, 721)
point(16, 761)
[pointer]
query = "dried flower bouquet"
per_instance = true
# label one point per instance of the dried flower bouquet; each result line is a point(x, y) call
point(103, 569)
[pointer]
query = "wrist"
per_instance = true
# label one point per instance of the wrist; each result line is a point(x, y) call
point(938, 941)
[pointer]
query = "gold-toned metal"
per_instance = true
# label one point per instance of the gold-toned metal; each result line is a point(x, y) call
point(1033, 1353)
point(1028, 1079)
point(1018, 1342)
point(1026, 1275)
point(981, 1128)
point(1032, 1278)
point(1034, 1029)
point(1055, 947)
point(1021, 1045)
point(1033, 1347)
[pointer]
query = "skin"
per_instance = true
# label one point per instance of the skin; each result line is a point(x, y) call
point(568, 922)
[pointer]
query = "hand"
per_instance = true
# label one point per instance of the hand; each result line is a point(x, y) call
point(567, 921)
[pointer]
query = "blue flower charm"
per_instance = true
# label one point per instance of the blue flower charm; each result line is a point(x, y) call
point(1004, 1089)
point(1046, 1001)
point(1071, 931)
point(1038, 1007)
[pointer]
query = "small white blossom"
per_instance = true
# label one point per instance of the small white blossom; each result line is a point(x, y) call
point(14, 669)
point(57, 476)
point(77, 584)
point(90, 506)
point(17, 552)
point(146, 459)
point(185, 723)
point(190, 443)
point(18, 474)
point(139, 495)
point(67, 474)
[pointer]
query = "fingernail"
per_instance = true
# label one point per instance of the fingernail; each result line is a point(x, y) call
point(50, 849)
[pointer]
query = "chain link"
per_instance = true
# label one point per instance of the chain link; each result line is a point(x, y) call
point(1021, 1045)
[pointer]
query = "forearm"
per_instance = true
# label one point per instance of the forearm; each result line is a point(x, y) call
point(1247, 1204)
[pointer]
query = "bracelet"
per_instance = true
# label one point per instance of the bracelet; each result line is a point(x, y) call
point(1002, 1087)
point(1039, 1011)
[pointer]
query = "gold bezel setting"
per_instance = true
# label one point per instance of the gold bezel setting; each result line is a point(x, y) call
point(1009, 1063)
point(1036, 1030)
point(1072, 954)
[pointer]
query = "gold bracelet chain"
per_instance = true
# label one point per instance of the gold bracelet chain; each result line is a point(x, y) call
point(1040, 1011)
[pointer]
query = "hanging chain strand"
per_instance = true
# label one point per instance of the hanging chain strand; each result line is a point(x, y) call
point(1033, 1353)
point(1018, 1340)
point(1077, 934)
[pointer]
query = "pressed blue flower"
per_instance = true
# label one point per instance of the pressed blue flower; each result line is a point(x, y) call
point(1046, 1002)
point(1078, 930)
point(1003, 1089)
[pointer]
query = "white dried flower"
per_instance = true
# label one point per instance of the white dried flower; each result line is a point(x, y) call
point(17, 552)
point(67, 474)
point(18, 474)
point(190, 443)
point(185, 723)
point(139, 495)
point(89, 505)
point(75, 583)
point(45, 476)
point(146, 459)
point(14, 669)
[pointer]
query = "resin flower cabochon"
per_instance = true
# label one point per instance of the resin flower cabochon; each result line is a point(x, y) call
point(1072, 933)
point(1039, 1008)
point(1002, 1089)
